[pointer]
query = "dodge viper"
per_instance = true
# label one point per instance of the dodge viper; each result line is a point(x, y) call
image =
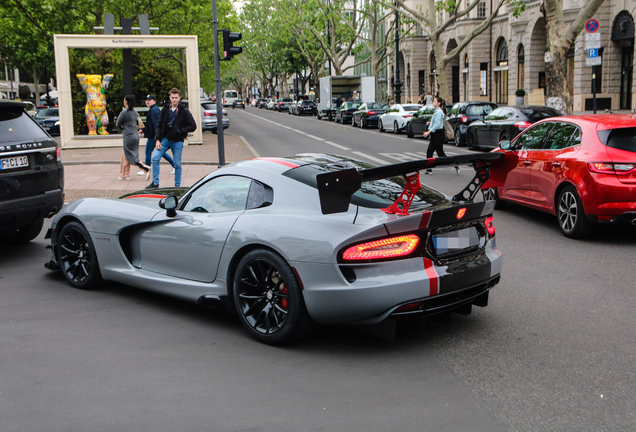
point(291, 243)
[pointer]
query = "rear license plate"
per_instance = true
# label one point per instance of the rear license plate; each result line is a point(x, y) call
point(15, 162)
point(456, 241)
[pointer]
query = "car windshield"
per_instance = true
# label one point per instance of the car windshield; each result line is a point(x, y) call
point(536, 114)
point(231, 94)
point(621, 139)
point(16, 125)
point(411, 107)
point(53, 112)
point(479, 109)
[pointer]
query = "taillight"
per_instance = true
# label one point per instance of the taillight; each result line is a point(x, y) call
point(385, 248)
point(464, 119)
point(58, 154)
point(371, 113)
point(523, 124)
point(280, 103)
point(407, 115)
point(611, 168)
point(489, 226)
point(224, 113)
point(209, 114)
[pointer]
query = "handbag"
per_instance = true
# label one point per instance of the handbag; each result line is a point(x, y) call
point(448, 130)
point(140, 124)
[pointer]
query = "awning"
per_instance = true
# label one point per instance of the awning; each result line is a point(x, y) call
point(500, 68)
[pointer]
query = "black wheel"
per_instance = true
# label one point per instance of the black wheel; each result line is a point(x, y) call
point(471, 142)
point(409, 131)
point(380, 126)
point(268, 298)
point(76, 256)
point(318, 116)
point(458, 138)
point(491, 194)
point(353, 121)
point(363, 123)
point(24, 234)
point(396, 129)
point(572, 220)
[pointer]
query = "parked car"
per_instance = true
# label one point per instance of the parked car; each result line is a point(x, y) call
point(271, 103)
point(209, 117)
point(265, 237)
point(418, 124)
point(238, 103)
point(254, 102)
point(397, 117)
point(283, 104)
point(49, 119)
point(292, 107)
point(305, 107)
point(580, 168)
point(31, 175)
point(464, 113)
point(505, 123)
point(344, 113)
point(368, 114)
point(262, 103)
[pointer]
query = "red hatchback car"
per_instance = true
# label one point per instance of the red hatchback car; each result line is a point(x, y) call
point(580, 168)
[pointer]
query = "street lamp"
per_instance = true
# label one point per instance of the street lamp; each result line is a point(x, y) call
point(397, 84)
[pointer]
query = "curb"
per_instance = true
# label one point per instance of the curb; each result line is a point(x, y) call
point(118, 162)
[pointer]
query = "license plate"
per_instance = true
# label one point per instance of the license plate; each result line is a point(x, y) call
point(455, 241)
point(15, 162)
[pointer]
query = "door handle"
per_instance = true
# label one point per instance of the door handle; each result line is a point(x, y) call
point(556, 164)
point(527, 162)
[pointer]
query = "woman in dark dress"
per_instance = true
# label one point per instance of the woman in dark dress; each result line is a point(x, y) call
point(127, 121)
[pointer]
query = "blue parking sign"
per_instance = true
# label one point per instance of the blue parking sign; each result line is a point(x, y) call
point(592, 53)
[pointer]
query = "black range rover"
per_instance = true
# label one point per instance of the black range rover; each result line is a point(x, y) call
point(31, 175)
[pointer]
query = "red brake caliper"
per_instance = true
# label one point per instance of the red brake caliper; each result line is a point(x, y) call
point(283, 303)
point(403, 203)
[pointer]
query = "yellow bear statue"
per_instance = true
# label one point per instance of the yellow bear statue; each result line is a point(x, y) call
point(95, 89)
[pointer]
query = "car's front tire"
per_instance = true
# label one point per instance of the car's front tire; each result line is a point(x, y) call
point(269, 300)
point(76, 256)
point(409, 131)
point(572, 220)
point(491, 194)
point(471, 141)
point(396, 128)
point(458, 138)
point(380, 126)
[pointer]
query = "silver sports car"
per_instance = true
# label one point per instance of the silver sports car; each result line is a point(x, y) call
point(289, 243)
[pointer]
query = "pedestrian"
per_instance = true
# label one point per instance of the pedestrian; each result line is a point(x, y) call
point(436, 131)
point(175, 121)
point(422, 100)
point(128, 121)
point(150, 130)
point(428, 99)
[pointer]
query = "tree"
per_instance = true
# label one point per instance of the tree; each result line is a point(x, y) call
point(560, 38)
point(431, 18)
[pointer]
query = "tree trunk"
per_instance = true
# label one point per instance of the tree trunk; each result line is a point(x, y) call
point(557, 86)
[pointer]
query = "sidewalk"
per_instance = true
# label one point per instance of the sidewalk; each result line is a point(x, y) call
point(93, 172)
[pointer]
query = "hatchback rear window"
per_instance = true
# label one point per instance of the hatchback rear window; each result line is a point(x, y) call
point(17, 125)
point(478, 110)
point(621, 139)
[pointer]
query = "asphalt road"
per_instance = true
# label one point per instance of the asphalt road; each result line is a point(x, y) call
point(553, 351)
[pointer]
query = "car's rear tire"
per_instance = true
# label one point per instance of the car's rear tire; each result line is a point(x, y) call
point(396, 129)
point(76, 256)
point(380, 126)
point(363, 123)
point(491, 194)
point(458, 138)
point(572, 220)
point(269, 300)
point(471, 141)
point(353, 121)
point(24, 234)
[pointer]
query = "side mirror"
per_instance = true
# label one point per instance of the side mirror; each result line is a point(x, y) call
point(505, 145)
point(169, 203)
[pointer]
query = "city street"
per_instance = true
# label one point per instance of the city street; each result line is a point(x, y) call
point(553, 351)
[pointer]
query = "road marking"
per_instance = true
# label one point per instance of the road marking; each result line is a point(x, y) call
point(315, 137)
point(374, 159)
point(341, 147)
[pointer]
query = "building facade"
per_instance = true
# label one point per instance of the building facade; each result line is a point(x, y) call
point(511, 55)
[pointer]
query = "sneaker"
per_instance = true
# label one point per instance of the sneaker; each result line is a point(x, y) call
point(456, 170)
point(123, 178)
point(141, 172)
point(428, 171)
point(147, 174)
point(152, 186)
point(172, 172)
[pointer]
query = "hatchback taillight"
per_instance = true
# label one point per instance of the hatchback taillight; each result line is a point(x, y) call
point(523, 124)
point(380, 249)
point(611, 168)
point(464, 119)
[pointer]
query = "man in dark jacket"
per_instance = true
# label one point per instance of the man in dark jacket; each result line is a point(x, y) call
point(151, 128)
point(173, 126)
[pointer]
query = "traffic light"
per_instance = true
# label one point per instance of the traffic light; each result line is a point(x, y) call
point(229, 50)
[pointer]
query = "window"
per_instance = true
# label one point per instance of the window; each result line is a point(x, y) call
point(481, 10)
point(560, 136)
point(477, 110)
point(221, 194)
point(483, 79)
point(532, 138)
point(521, 59)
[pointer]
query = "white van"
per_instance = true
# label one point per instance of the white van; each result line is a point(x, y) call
point(229, 96)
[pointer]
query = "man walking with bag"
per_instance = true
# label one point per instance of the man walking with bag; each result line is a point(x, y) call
point(173, 126)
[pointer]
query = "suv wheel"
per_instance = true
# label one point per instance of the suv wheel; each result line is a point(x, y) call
point(24, 234)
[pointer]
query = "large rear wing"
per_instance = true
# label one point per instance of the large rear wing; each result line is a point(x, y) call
point(336, 188)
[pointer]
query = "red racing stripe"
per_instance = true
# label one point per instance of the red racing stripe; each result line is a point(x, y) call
point(432, 276)
point(279, 161)
point(426, 218)
point(146, 196)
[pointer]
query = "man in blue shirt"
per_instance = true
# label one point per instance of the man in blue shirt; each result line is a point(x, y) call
point(152, 118)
